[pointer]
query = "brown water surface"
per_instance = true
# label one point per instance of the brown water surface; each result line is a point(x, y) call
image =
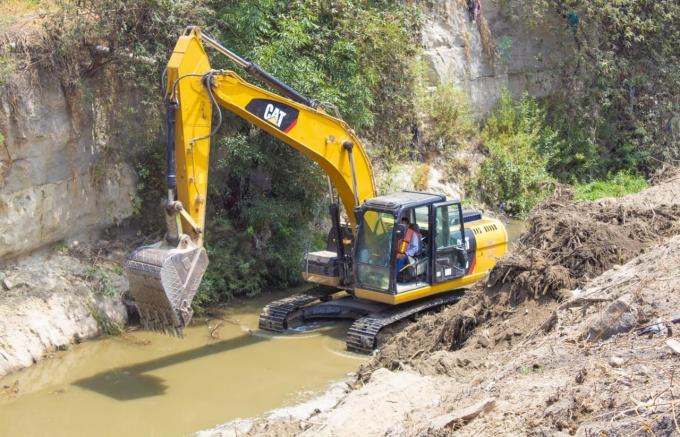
point(515, 227)
point(146, 384)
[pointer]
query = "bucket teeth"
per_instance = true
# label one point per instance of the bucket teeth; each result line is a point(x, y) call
point(163, 282)
point(143, 317)
point(165, 324)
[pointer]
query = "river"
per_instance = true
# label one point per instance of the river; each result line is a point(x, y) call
point(146, 384)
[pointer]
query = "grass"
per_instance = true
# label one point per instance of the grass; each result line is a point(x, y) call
point(102, 279)
point(420, 177)
point(617, 185)
point(12, 11)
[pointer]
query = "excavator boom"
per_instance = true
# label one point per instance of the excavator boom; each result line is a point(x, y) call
point(164, 277)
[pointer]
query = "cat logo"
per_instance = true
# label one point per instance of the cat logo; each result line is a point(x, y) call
point(278, 114)
point(274, 115)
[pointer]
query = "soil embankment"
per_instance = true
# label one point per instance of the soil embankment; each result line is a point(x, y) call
point(52, 300)
point(573, 334)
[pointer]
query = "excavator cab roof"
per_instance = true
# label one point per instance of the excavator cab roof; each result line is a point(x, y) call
point(403, 199)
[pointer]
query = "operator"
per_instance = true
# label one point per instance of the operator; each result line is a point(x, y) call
point(408, 246)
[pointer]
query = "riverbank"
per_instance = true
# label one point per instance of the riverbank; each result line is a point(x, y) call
point(555, 360)
point(64, 295)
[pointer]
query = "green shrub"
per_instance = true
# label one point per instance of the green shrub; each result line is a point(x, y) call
point(102, 279)
point(616, 185)
point(448, 121)
point(619, 82)
point(265, 199)
point(514, 175)
point(356, 56)
point(420, 177)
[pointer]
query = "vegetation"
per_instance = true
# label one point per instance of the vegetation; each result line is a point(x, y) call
point(617, 185)
point(353, 56)
point(420, 177)
point(612, 122)
point(447, 120)
point(514, 175)
point(620, 95)
point(103, 278)
point(13, 11)
point(104, 323)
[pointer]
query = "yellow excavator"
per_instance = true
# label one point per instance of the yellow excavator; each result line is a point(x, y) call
point(356, 277)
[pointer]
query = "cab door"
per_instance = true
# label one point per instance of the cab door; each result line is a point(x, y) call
point(450, 257)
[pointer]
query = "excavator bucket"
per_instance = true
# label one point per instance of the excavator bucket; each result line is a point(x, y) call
point(163, 282)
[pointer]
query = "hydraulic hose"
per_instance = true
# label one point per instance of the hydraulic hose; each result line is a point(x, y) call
point(171, 113)
point(259, 73)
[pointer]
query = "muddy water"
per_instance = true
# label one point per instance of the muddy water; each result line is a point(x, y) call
point(515, 228)
point(145, 384)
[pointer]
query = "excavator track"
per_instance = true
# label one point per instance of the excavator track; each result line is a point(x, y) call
point(362, 336)
point(274, 316)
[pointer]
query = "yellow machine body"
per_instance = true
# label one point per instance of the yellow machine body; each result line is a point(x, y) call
point(491, 245)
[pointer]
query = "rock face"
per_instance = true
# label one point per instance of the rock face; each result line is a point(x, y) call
point(63, 176)
point(459, 52)
point(59, 177)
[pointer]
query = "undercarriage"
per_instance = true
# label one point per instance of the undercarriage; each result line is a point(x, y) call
point(334, 304)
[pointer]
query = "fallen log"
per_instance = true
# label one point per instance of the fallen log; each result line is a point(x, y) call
point(460, 417)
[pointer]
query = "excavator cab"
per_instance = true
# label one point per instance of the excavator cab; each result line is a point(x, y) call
point(441, 256)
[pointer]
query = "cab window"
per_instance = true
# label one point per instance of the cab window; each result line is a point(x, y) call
point(374, 249)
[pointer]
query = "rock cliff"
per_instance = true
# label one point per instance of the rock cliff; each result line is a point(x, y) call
point(493, 52)
point(57, 176)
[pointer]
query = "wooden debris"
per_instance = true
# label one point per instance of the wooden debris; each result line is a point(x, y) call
point(674, 345)
point(460, 417)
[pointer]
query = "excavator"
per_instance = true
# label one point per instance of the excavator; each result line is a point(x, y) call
point(356, 277)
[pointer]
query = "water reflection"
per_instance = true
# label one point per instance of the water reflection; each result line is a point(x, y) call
point(128, 385)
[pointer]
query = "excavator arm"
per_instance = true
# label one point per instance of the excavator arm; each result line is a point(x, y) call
point(193, 88)
point(165, 276)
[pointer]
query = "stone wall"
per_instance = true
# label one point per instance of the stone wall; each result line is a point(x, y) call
point(455, 53)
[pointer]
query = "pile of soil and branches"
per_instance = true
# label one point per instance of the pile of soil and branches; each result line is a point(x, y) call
point(565, 245)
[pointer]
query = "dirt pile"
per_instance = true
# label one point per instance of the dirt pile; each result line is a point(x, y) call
point(599, 363)
point(565, 245)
